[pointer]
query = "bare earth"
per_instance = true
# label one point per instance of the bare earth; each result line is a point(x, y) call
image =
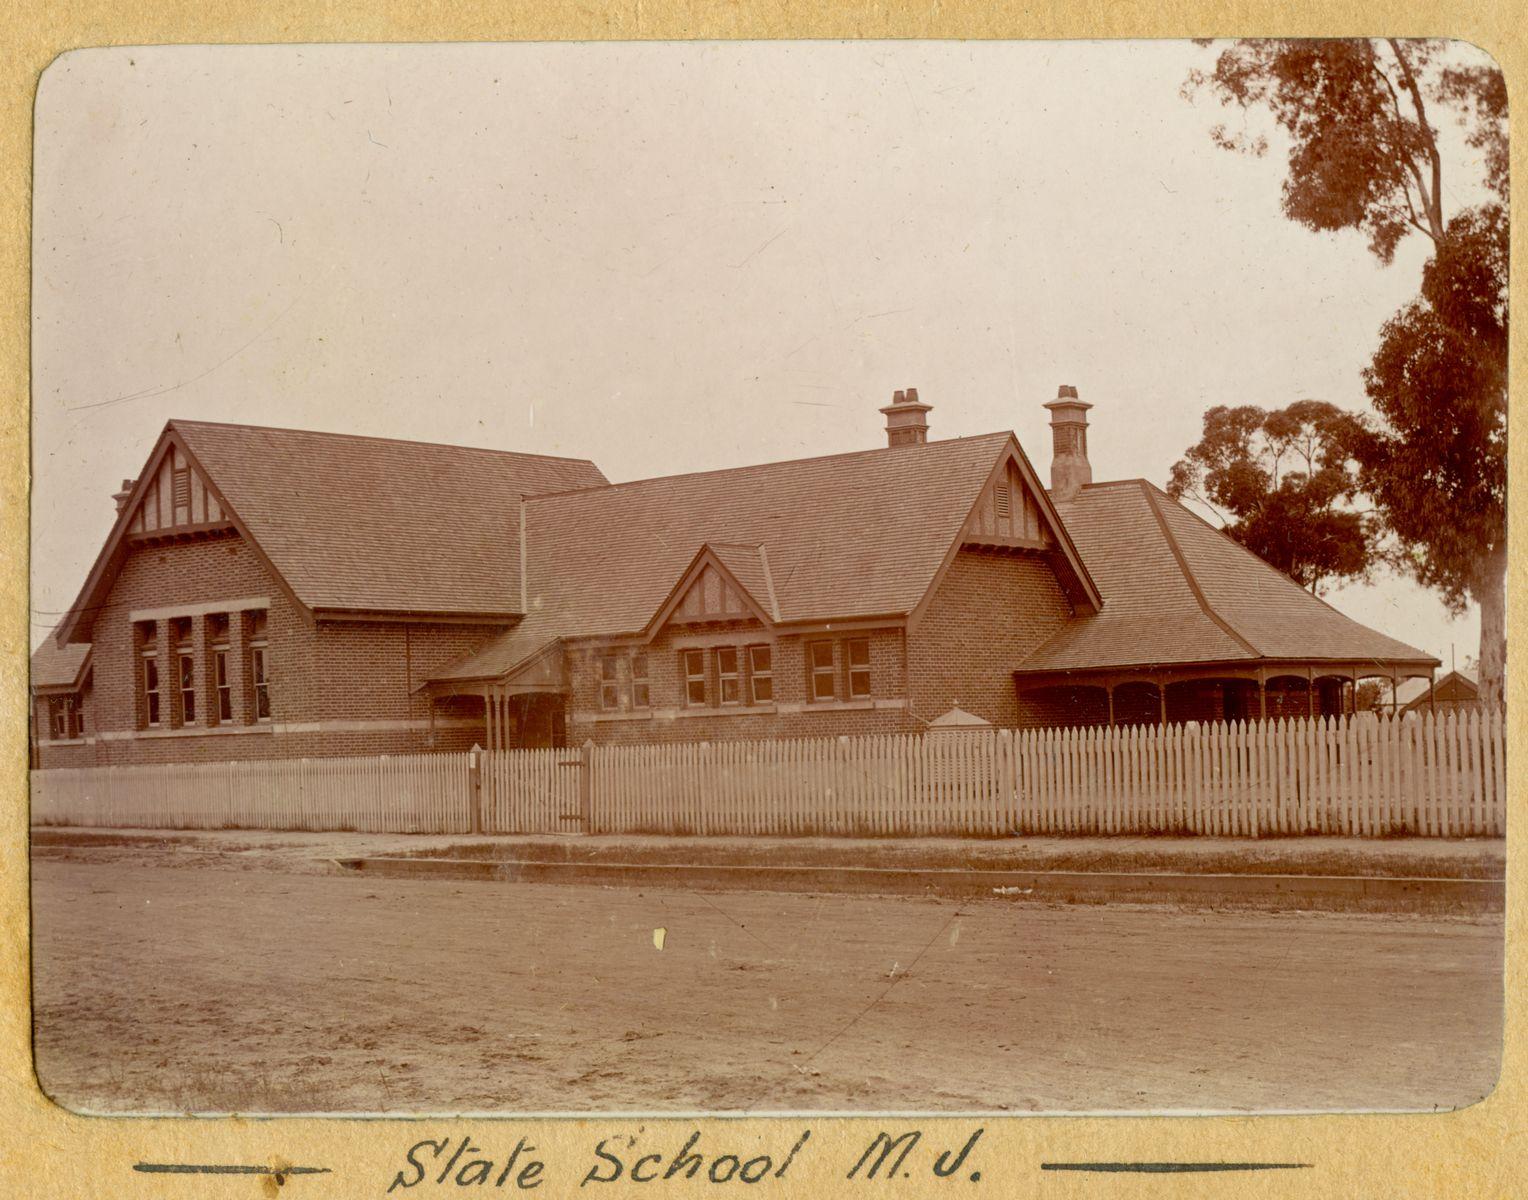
point(258, 981)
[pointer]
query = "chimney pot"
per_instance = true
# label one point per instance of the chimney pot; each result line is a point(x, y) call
point(125, 494)
point(906, 419)
point(1070, 470)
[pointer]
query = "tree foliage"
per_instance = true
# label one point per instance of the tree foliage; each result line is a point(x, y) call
point(1437, 467)
point(1364, 155)
point(1284, 482)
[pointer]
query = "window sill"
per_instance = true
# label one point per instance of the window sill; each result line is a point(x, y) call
point(640, 714)
point(729, 710)
point(818, 706)
point(196, 731)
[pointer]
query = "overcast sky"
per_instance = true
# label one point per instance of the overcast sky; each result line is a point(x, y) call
point(669, 257)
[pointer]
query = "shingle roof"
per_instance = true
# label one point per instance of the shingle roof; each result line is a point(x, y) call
point(1176, 590)
point(54, 665)
point(834, 538)
point(367, 523)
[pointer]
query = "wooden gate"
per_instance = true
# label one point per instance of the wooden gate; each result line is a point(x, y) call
point(532, 791)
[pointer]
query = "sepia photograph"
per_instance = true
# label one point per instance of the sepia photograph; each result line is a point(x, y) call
point(769, 577)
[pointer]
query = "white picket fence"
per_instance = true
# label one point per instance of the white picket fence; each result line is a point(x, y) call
point(1362, 776)
point(1366, 776)
point(414, 793)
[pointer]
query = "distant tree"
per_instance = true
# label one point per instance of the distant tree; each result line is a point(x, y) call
point(1364, 155)
point(1371, 697)
point(1283, 483)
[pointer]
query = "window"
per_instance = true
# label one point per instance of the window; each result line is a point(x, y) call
point(820, 663)
point(185, 667)
point(225, 689)
point(148, 652)
point(693, 663)
point(610, 685)
point(68, 720)
point(258, 667)
point(761, 679)
point(262, 688)
point(187, 687)
point(859, 668)
point(729, 681)
point(641, 695)
point(217, 634)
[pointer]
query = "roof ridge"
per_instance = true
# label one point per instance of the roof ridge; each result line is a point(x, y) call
point(179, 422)
point(1147, 490)
point(1262, 562)
point(783, 462)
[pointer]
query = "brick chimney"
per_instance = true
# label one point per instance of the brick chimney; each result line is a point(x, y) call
point(125, 494)
point(1070, 469)
point(906, 419)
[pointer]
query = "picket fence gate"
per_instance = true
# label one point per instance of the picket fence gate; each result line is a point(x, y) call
point(1434, 776)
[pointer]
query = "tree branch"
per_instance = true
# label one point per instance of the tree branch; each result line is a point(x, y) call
point(1405, 158)
point(1435, 204)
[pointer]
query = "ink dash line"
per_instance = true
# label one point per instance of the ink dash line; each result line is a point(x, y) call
point(1169, 1168)
point(223, 1169)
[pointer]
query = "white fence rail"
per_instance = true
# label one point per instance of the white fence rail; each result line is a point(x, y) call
point(1364, 776)
point(415, 793)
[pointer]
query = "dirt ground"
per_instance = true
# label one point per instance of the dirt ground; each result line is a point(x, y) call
point(172, 979)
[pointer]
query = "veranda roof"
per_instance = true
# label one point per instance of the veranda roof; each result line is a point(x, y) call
point(1178, 592)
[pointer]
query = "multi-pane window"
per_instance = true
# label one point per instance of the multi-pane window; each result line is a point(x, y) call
point(729, 681)
point(610, 682)
point(225, 688)
point(641, 694)
point(258, 677)
point(761, 677)
point(185, 669)
point(217, 634)
point(187, 664)
point(693, 664)
point(148, 675)
point(820, 666)
point(68, 719)
point(859, 667)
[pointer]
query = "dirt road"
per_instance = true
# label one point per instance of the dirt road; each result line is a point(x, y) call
point(204, 987)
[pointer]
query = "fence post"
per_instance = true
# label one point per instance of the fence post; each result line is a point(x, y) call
point(586, 784)
point(475, 789)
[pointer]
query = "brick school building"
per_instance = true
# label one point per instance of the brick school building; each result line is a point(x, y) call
point(275, 593)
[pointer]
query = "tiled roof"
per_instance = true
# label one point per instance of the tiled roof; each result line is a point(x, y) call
point(372, 524)
point(58, 666)
point(1176, 590)
point(835, 538)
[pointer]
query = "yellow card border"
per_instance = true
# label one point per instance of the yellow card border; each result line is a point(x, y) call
point(47, 1152)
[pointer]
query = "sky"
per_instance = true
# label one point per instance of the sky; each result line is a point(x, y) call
point(671, 257)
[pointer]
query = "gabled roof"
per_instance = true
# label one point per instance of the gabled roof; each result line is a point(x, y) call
point(58, 666)
point(1179, 591)
point(838, 538)
point(365, 524)
point(743, 569)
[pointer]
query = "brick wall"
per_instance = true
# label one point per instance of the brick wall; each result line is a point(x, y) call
point(670, 719)
point(990, 611)
point(334, 672)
